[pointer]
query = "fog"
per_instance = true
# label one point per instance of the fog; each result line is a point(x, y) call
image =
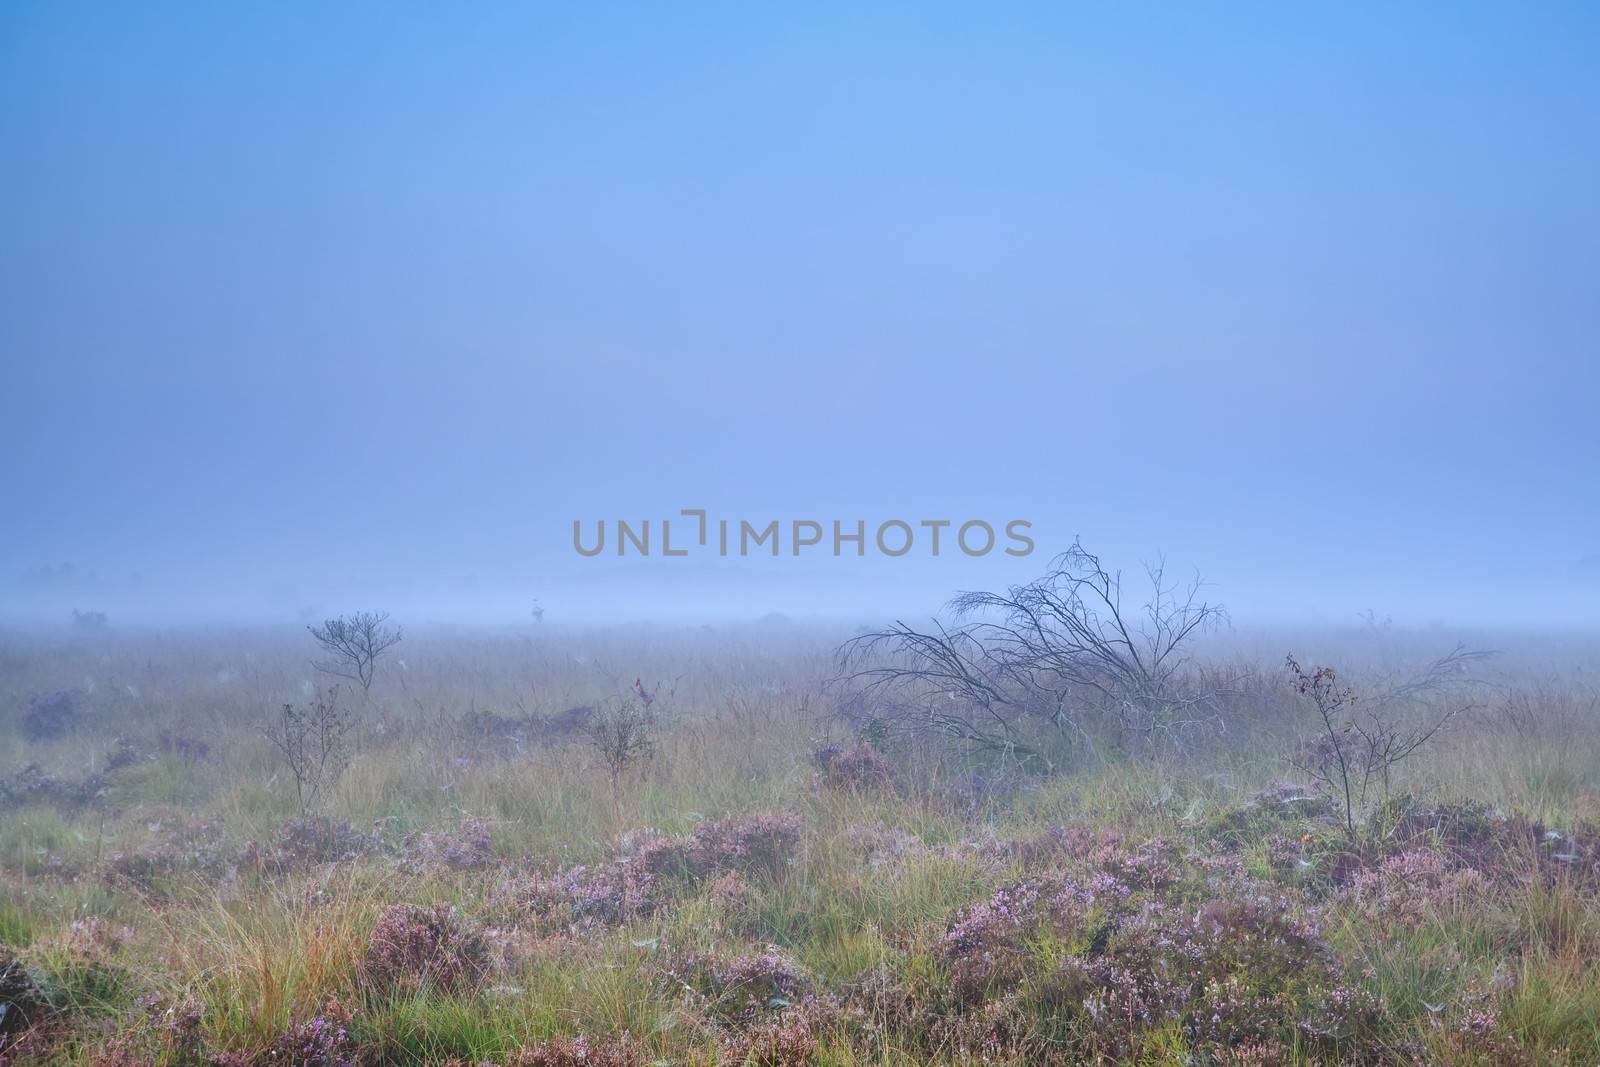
point(305, 310)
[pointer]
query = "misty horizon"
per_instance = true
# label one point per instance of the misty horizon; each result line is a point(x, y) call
point(305, 310)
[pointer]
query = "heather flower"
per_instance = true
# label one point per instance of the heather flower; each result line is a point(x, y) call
point(1411, 887)
point(313, 839)
point(168, 1030)
point(467, 848)
point(1136, 952)
point(757, 844)
point(731, 891)
point(576, 1052)
point(412, 945)
point(742, 991)
point(653, 868)
point(582, 897)
point(321, 1041)
point(49, 715)
point(987, 938)
point(786, 1041)
point(1286, 854)
point(879, 845)
point(855, 769)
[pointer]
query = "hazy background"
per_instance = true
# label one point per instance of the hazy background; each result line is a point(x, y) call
point(309, 307)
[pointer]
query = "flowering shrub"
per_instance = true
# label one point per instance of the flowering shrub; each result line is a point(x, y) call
point(644, 880)
point(1128, 942)
point(28, 1048)
point(1411, 887)
point(1152, 864)
point(856, 769)
point(879, 845)
point(194, 846)
point(1268, 1053)
point(321, 1041)
point(575, 1052)
point(787, 1041)
point(93, 939)
point(731, 890)
point(188, 748)
point(32, 784)
point(312, 839)
point(985, 934)
point(412, 945)
point(738, 992)
point(144, 870)
point(48, 715)
point(123, 753)
point(1286, 855)
point(465, 849)
point(758, 844)
point(583, 897)
point(168, 1031)
point(658, 856)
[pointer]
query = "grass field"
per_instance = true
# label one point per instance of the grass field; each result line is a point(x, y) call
point(770, 881)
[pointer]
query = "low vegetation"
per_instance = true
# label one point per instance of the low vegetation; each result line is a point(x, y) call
point(553, 847)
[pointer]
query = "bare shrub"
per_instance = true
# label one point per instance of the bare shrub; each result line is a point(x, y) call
point(623, 734)
point(353, 644)
point(1360, 743)
point(1061, 654)
point(315, 744)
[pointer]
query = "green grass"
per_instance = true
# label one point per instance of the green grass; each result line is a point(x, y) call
point(877, 881)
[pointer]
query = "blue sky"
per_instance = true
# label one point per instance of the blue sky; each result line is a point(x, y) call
point(303, 304)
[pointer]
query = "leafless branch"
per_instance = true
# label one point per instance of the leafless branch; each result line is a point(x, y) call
point(1053, 652)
